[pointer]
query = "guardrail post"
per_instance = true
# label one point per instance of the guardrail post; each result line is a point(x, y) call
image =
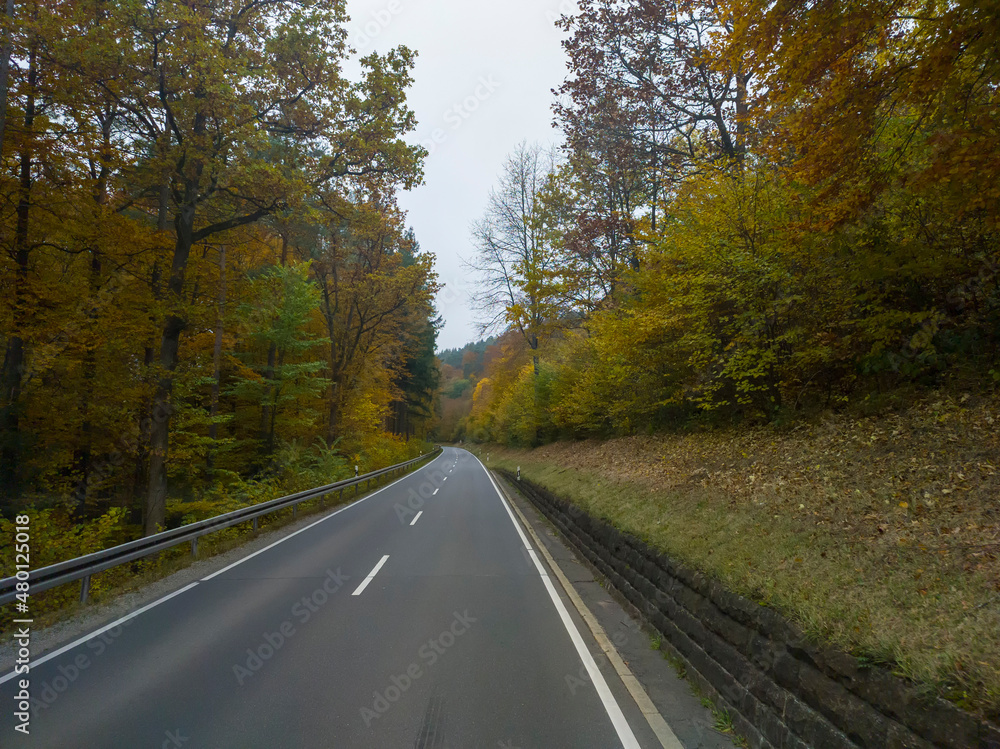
point(85, 589)
point(341, 494)
point(295, 511)
point(194, 548)
point(322, 500)
point(255, 525)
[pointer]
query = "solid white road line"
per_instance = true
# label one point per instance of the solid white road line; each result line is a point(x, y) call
point(668, 739)
point(416, 518)
point(371, 575)
point(615, 713)
point(55, 653)
point(517, 525)
point(101, 631)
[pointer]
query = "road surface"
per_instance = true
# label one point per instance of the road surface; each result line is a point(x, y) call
point(416, 617)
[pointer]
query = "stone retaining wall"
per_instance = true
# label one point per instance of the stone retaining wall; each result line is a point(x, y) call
point(780, 690)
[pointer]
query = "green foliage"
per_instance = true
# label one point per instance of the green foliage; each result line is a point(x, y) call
point(283, 360)
point(209, 295)
point(741, 313)
point(420, 380)
point(458, 388)
point(775, 207)
point(56, 537)
point(455, 357)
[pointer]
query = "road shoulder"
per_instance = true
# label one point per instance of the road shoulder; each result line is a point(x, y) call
point(689, 722)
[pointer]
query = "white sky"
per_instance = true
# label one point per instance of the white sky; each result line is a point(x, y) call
point(482, 84)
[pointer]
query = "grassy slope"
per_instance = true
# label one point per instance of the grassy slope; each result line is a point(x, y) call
point(879, 534)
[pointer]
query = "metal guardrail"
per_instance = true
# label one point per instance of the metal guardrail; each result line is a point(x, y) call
point(83, 567)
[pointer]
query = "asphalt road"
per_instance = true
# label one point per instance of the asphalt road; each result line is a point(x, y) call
point(373, 627)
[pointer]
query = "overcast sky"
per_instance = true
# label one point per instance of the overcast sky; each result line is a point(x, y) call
point(483, 83)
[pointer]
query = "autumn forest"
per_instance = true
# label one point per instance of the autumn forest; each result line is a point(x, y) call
point(209, 294)
point(748, 311)
point(744, 307)
point(759, 211)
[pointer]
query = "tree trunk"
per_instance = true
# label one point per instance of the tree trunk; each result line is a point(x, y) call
point(265, 401)
point(742, 110)
point(140, 481)
point(213, 429)
point(269, 400)
point(142, 460)
point(274, 401)
point(328, 317)
point(159, 429)
point(333, 417)
point(83, 453)
point(100, 173)
point(13, 365)
point(5, 54)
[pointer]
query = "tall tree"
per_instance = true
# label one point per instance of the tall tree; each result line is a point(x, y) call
point(372, 283)
point(140, 137)
point(6, 49)
point(282, 356)
point(649, 72)
point(847, 92)
point(257, 114)
point(20, 249)
point(516, 267)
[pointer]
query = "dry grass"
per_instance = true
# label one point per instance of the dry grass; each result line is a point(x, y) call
point(878, 534)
